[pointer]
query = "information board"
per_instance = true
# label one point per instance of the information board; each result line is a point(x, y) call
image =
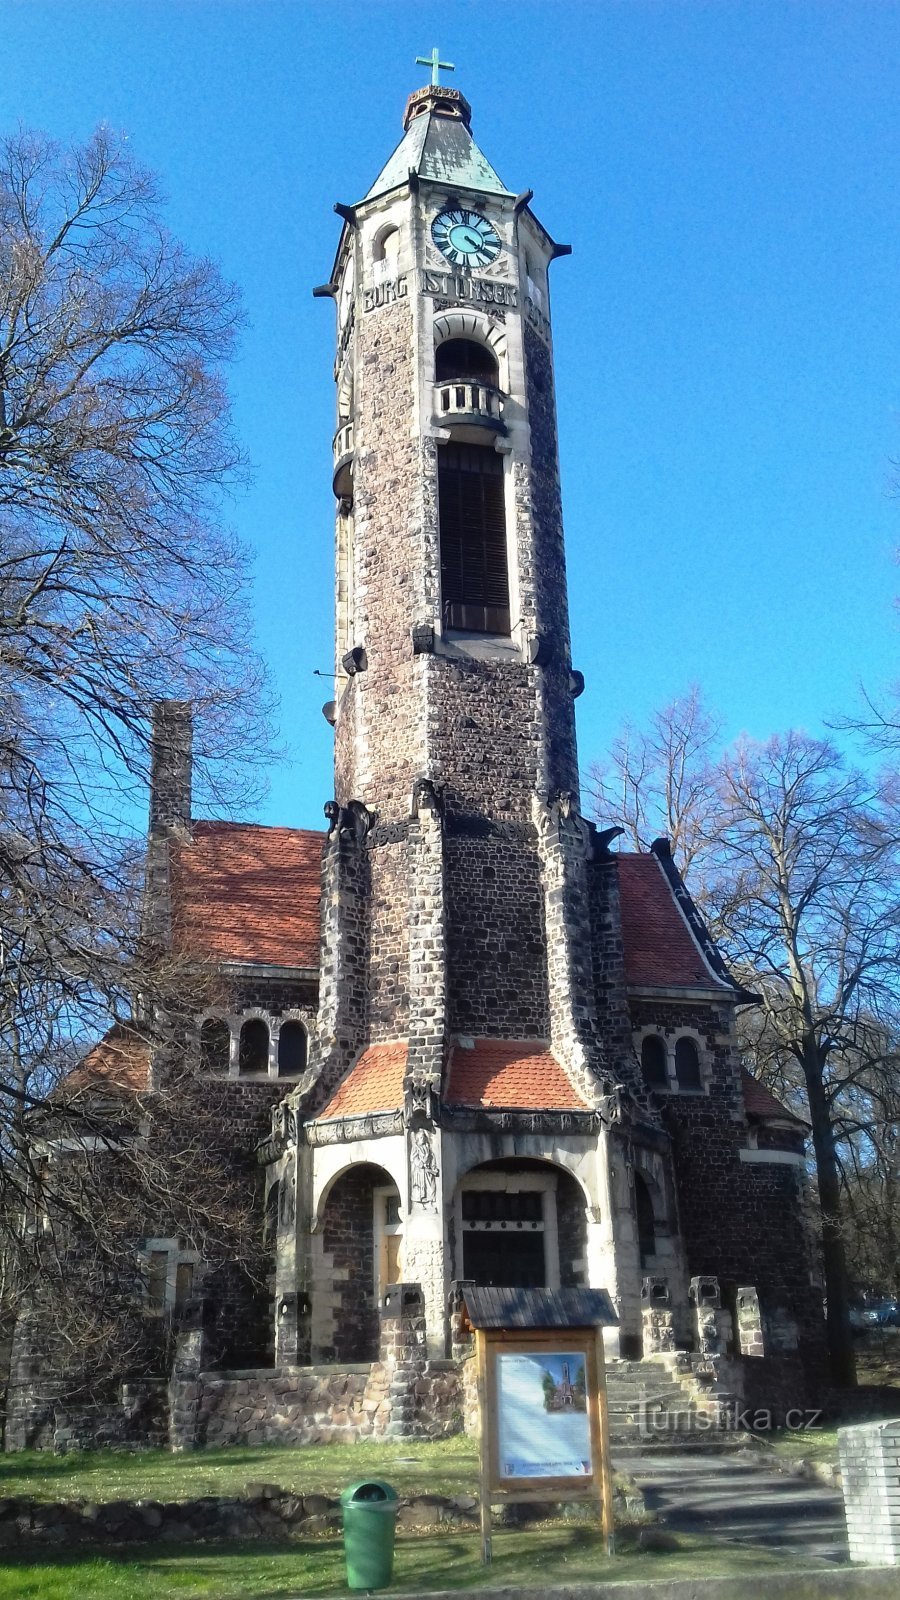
point(543, 1424)
point(542, 1396)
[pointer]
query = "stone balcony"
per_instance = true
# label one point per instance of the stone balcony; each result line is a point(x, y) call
point(468, 402)
point(342, 451)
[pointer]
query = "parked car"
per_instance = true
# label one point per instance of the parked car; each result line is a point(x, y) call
point(883, 1314)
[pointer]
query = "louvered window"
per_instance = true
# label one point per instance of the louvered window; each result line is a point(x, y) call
point(474, 577)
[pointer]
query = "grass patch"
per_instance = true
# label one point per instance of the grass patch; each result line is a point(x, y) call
point(272, 1572)
point(446, 1466)
point(805, 1444)
point(878, 1358)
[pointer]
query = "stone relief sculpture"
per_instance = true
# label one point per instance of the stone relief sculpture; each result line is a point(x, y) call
point(423, 1171)
point(288, 1195)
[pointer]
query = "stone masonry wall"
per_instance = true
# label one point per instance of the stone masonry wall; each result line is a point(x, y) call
point(550, 565)
point(387, 986)
point(321, 1405)
point(497, 971)
point(380, 748)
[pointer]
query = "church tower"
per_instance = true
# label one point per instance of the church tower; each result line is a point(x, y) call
point(461, 963)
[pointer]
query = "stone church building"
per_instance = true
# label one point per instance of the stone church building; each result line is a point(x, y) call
point(466, 1037)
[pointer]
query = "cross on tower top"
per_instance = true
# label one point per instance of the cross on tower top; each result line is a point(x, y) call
point(436, 64)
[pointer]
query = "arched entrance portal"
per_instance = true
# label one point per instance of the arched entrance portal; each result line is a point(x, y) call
point(521, 1224)
point(362, 1239)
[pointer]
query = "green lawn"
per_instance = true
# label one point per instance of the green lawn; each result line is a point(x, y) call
point(449, 1466)
point(272, 1572)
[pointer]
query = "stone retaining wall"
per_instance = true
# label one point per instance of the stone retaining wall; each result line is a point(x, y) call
point(266, 1512)
point(312, 1405)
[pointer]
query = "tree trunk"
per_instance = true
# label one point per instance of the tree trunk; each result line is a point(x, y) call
point(842, 1356)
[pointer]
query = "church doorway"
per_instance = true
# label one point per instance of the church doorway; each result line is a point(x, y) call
point(521, 1225)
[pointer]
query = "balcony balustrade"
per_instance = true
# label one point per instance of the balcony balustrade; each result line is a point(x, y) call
point(467, 400)
point(343, 461)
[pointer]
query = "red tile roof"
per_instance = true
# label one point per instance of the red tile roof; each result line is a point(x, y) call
point(119, 1064)
point(761, 1102)
point(375, 1083)
point(660, 951)
point(246, 893)
point(514, 1074)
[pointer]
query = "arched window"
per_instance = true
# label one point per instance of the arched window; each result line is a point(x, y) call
point(387, 245)
point(291, 1049)
point(215, 1045)
point(687, 1064)
point(254, 1050)
point(465, 358)
point(472, 514)
point(646, 1226)
point(654, 1065)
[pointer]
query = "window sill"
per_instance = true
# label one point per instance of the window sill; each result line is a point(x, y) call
point(476, 646)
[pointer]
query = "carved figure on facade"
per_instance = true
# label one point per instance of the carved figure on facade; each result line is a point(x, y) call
point(354, 820)
point(288, 1195)
point(426, 796)
point(423, 1170)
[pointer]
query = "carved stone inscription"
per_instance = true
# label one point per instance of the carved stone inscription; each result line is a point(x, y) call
point(462, 286)
point(385, 294)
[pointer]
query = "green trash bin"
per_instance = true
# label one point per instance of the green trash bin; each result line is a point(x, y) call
point(370, 1517)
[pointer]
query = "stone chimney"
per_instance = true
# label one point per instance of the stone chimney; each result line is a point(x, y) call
point(171, 748)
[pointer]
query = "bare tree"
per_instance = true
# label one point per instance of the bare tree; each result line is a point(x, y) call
point(120, 585)
point(795, 860)
point(658, 781)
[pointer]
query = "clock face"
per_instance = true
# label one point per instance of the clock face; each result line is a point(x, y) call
point(466, 238)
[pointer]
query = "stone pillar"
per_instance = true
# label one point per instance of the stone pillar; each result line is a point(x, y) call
point(402, 1351)
point(602, 1240)
point(870, 1478)
point(563, 844)
point(185, 1384)
point(750, 1338)
point(710, 1320)
point(656, 1317)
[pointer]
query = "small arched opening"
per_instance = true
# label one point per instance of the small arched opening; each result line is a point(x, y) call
point(654, 1062)
point(466, 359)
point(253, 1054)
point(292, 1049)
point(387, 244)
point(646, 1223)
point(687, 1064)
point(215, 1045)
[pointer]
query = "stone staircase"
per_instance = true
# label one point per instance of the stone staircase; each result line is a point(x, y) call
point(652, 1406)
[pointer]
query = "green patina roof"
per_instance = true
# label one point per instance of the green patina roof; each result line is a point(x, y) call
point(440, 148)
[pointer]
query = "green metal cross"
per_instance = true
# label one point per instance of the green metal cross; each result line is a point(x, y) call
point(435, 63)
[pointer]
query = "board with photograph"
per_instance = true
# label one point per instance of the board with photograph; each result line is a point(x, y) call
point(543, 1419)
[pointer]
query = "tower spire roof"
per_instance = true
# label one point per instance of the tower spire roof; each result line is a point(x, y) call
point(437, 144)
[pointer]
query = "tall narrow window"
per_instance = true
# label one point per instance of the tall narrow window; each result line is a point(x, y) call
point(254, 1050)
point(291, 1049)
point(474, 576)
point(687, 1064)
point(184, 1282)
point(653, 1062)
point(157, 1278)
point(646, 1225)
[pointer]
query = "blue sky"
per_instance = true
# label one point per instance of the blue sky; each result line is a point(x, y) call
point(727, 329)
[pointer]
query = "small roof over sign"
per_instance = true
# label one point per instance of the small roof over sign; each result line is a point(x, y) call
point(539, 1308)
